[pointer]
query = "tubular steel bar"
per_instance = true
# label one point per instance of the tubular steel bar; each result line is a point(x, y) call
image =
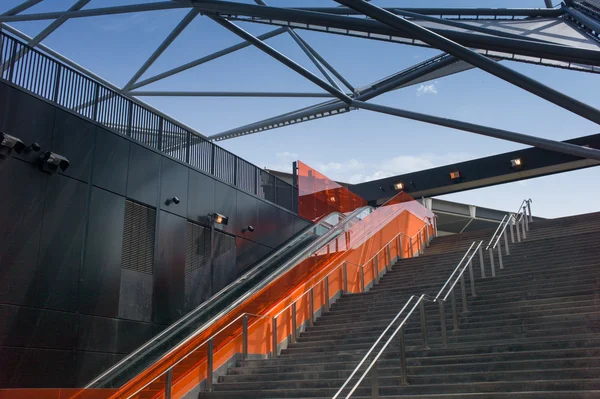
point(245, 337)
point(209, 366)
point(475, 59)
point(455, 270)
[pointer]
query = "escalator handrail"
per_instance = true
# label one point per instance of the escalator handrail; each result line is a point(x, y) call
point(344, 219)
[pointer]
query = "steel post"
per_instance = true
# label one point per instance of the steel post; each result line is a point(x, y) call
point(423, 324)
point(168, 384)
point(376, 269)
point(345, 277)
point(454, 313)
point(427, 238)
point(421, 246)
point(326, 291)
point(518, 228)
point(374, 382)
point(412, 251)
point(505, 234)
point(311, 306)
point(472, 278)
point(524, 227)
point(500, 262)
point(481, 262)
point(512, 231)
point(529, 206)
point(209, 366)
point(362, 279)
point(245, 337)
point(400, 252)
point(526, 218)
point(294, 324)
point(388, 267)
point(463, 293)
point(491, 251)
point(404, 371)
point(274, 336)
point(443, 324)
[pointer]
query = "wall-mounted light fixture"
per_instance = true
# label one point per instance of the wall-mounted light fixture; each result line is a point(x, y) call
point(219, 219)
point(8, 144)
point(173, 200)
point(399, 186)
point(50, 162)
point(516, 163)
point(454, 176)
point(249, 228)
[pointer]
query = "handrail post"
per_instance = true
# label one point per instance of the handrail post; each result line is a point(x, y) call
point(512, 232)
point(443, 324)
point(421, 246)
point(274, 336)
point(472, 278)
point(311, 305)
point(245, 337)
point(500, 256)
point(326, 291)
point(209, 367)
point(362, 279)
point(435, 228)
point(389, 254)
point(529, 207)
point(454, 314)
point(427, 236)
point(526, 218)
point(481, 262)
point(463, 292)
point(423, 324)
point(518, 228)
point(345, 277)
point(294, 324)
point(400, 252)
point(404, 375)
point(168, 384)
point(506, 243)
point(412, 251)
point(374, 382)
point(524, 224)
point(376, 269)
point(491, 252)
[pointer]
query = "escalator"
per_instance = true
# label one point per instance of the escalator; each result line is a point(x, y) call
point(302, 246)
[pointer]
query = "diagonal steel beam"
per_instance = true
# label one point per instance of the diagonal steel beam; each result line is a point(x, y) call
point(335, 107)
point(206, 59)
point(475, 59)
point(163, 46)
point(273, 94)
point(467, 12)
point(282, 58)
point(22, 7)
point(539, 142)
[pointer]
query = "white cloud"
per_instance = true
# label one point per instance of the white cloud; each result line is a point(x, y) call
point(426, 89)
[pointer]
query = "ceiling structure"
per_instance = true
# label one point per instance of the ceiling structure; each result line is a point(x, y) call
point(563, 36)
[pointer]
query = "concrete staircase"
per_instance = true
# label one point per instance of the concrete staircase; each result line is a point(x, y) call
point(531, 332)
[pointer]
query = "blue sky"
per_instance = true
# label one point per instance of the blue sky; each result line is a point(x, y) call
point(356, 146)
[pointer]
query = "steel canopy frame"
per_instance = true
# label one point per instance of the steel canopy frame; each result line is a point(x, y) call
point(445, 31)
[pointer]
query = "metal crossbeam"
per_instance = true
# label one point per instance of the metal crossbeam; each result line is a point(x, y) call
point(274, 94)
point(22, 7)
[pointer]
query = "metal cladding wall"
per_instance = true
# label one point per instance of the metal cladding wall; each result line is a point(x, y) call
point(68, 307)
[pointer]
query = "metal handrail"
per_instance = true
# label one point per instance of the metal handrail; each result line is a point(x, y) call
point(496, 232)
point(462, 271)
point(508, 222)
point(456, 269)
point(366, 356)
point(232, 306)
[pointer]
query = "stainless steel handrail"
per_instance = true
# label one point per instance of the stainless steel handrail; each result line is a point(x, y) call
point(496, 232)
point(455, 269)
point(462, 271)
point(282, 269)
point(508, 222)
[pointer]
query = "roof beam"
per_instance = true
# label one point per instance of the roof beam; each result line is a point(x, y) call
point(471, 12)
point(273, 94)
point(22, 7)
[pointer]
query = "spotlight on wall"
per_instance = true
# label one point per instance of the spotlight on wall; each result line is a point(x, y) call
point(249, 228)
point(219, 219)
point(399, 186)
point(8, 144)
point(50, 162)
point(34, 147)
point(454, 176)
point(516, 163)
point(173, 200)
point(332, 199)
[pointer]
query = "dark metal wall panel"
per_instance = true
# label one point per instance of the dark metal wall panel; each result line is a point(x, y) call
point(97, 334)
point(174, 183)
point(61, 244)
point(247, 215)
point(225, 204)
point(102, 264)
point(20, 220)
point(300, 224)
point(29, 119)
point(224, 263)
point(247, 254)
point(143, 176)
point(111, 161)
point(92, 364)
point(135, 296)
point(25, 327)
point(132, 334)
point(201, 197)
point(197, 287)
point(269, 228)
point(74, 139)
point(139, 232)
point(37, 368)
point(169, 277)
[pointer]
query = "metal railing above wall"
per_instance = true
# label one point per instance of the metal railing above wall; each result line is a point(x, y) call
point(44, 76)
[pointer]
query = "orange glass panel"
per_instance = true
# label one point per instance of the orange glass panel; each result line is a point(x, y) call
point(319, 196)
point(56, 393)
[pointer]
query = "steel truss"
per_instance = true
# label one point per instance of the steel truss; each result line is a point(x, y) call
point(469, 38)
